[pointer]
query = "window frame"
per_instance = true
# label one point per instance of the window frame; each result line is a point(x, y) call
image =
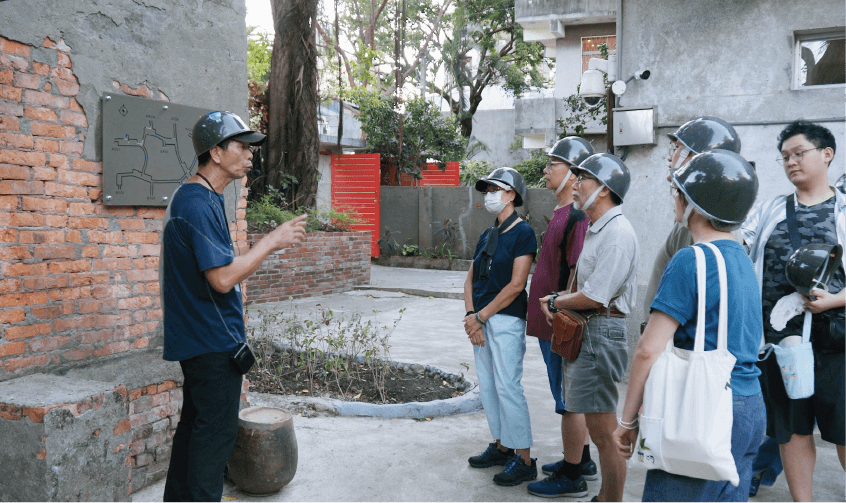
point(799, 63)
point(594, 54)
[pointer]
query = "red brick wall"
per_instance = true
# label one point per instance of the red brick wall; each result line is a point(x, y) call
point(327, 262)
point(78, 280)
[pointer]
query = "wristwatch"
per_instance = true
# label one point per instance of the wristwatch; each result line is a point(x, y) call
point(551, 302)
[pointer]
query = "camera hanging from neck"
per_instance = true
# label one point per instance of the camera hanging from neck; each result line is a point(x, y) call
point(490, 247)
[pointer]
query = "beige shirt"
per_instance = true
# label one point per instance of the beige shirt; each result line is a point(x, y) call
point(607, 267)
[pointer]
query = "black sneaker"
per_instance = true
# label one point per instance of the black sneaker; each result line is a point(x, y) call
point(587, 469)
point(492, 456)
point(557, 485)
point(517, 472)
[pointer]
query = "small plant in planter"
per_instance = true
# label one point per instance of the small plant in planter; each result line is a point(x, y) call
point(266, 214)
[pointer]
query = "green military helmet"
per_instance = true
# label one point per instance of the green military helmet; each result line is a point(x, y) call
point(720, 184)
point(508, 179)
point(812, 266)
point(572, 150)
point(707, 133)
point(609, 170)
point(214, 127)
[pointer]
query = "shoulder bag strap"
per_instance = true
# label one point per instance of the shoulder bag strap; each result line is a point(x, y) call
point(575, 217)
point(699, 344)
point(792, 229)
point(722, 330)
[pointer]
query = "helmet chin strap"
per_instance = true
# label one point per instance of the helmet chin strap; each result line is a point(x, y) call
point(686, 216)
point(591, 199)
point(563, 183)
point(681, 158)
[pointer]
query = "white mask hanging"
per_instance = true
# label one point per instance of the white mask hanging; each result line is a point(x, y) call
point(591, 199)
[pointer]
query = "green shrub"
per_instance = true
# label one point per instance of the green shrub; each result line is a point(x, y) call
point(264, 215)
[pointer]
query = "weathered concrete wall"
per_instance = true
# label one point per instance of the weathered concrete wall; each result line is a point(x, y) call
point(496, 130)
point(729, 59)
point(568, 55)
point(417, 215)
point(573, 9)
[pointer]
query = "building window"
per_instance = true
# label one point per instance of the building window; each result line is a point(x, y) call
point(819, 60)
point(590, 48)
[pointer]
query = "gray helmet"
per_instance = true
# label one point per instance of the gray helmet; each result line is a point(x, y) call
point(720, 184)
point(214, 127)
point(572, 150)
point(812, 265)
point(507, 178)
point(609, 170)
point(707, 133)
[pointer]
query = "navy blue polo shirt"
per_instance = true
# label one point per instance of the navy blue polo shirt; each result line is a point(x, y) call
point(197, 318)
point(518, 241)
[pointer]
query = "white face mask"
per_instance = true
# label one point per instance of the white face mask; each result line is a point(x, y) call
point(493, 202)
point(591, 199)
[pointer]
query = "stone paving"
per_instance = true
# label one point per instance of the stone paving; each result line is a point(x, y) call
point(382, 459)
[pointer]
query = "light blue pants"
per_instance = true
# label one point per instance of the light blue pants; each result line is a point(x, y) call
point(499, 365)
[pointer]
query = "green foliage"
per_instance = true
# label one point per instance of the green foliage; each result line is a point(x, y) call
point(259, 47)
point(485, 32)
point(426, 135)
point(471, 172)
point(532, 169)
point(323, 343)
point(578, 114)
point(265, 215)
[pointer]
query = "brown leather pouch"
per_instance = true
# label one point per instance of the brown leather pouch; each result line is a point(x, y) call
point(568, 332)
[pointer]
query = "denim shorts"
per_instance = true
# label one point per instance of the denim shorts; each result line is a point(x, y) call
point(590, 382)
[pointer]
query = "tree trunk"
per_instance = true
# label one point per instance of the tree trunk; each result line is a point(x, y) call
point(293, 141)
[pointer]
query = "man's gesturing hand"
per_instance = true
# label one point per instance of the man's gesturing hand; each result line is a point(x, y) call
point(290, 233)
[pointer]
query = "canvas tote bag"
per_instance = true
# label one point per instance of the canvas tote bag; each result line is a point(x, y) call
point(686, 420)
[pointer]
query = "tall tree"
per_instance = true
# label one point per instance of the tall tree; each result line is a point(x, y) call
point(484, 47)
point(366, 40)
point(292, 100)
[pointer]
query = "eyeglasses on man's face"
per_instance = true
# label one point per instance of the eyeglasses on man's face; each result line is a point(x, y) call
point(583, 176)
point(796, 156)
point(493, 188)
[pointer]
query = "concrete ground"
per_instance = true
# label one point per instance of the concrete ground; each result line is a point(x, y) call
point(374, 459)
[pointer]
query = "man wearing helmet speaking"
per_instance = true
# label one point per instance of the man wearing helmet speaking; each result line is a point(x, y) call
point(200, 274)
point(605, 293)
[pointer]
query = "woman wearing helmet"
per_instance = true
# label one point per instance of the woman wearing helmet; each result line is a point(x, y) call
point(713, 194)
point(496, 302)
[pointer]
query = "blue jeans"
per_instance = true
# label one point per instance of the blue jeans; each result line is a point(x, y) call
point(748, 424)
point(768, 461)
point(555, 374)
point(499, 365)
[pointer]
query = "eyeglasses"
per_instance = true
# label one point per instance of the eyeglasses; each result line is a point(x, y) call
point(582, 177)
point(550, 162)
point(493, 188)
point(796, 156)
point(674, 191)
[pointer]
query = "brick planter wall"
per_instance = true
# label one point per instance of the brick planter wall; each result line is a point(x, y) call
point(327, 262)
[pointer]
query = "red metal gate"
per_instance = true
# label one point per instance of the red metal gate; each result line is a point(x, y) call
point(355, 186)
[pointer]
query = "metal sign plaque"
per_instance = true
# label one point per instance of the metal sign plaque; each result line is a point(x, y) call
point(147, 149)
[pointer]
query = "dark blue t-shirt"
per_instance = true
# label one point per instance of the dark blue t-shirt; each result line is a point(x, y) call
point(677, 297)
point(518, 241)
point(197, 318)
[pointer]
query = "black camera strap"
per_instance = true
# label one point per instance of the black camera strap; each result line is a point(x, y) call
point(490, 246)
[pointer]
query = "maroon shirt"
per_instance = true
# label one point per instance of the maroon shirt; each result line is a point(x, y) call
point(548, 268)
